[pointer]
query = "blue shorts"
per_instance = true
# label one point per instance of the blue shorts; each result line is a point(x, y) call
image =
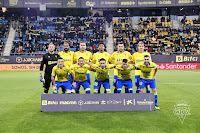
point(66, 85)
point(137, 80)
point(127, 83)
point(145, 82)
point(85, 84)
point(88, 77)
point(115, 80)
point(105, 83)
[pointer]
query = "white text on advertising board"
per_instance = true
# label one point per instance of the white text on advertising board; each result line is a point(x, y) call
point(165, 2)
point(180, 58)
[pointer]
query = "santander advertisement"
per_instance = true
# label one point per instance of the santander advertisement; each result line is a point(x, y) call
point(176, 66)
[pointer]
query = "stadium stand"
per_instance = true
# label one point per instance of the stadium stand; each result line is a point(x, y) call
point(158, 35)
point(4, 30)
point(33, 37)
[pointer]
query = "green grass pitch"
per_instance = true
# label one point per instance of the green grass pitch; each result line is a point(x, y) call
point(20, 108)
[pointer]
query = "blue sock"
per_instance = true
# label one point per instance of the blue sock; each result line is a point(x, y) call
point(87, 91)
point(138, 91)
point(148, 90)
point(130, 91)
point(156, 99)
point(119, 90)
point(115, 90)
point(126, 90)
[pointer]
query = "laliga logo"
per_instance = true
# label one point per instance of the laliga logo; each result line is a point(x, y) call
point(182, 110)
point(19, 59)
point(90, 4)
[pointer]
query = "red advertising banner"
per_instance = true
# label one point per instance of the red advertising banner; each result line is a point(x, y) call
point(178, 66)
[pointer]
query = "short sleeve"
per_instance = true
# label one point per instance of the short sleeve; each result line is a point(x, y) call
point(154, 65)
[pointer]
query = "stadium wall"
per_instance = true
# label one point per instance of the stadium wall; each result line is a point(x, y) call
point(169, 62)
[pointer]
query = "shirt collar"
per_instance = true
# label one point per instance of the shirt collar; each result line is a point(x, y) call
point(80, 51)
point(83, 64)
point(144, 63)
point(58, 66)
point(100, 66)
point(118, 51)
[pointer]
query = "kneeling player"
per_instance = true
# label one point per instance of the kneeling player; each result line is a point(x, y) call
point(80, 70)
point(124, 76)
point(60, 77)
point(102, 75)
point(148, 76)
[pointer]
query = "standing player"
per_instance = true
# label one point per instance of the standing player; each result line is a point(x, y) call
point(124, 76)
point(80, 70)
point(68, 56)
point(102, 78)
point(99, 55)
point(87, 56)
point(49, 60)
point(139, 57)
point(117, 57)
point(148, 73)
point(60, 77)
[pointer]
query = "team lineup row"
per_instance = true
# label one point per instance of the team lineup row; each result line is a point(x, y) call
point(70, 70)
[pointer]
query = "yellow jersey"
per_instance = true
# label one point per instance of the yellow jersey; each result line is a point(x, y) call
point(97, 56)
point(86, 55)
point(102, 73)
point(118, 57)
point(146, 70)
point(68, 57)
point(61, 74)
point(80, 71)
point(124, 74)
point(139, 57)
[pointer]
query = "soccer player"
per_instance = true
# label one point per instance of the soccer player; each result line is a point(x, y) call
point(85, 54)
point(80, 70)
point(49, 60)
point(60, 77)
point(102, 69)
point(117, 57)
point(68, 57)
point(139, 57)
point(148, 73)
point(99, 55)
point(124, 76)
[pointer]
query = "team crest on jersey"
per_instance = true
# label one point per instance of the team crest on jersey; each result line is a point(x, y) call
point(56, 56)
point(86, 54)
point(48, 56)
point(106, 55)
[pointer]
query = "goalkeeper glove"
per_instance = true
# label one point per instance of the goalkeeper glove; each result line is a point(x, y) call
point(41, 78)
